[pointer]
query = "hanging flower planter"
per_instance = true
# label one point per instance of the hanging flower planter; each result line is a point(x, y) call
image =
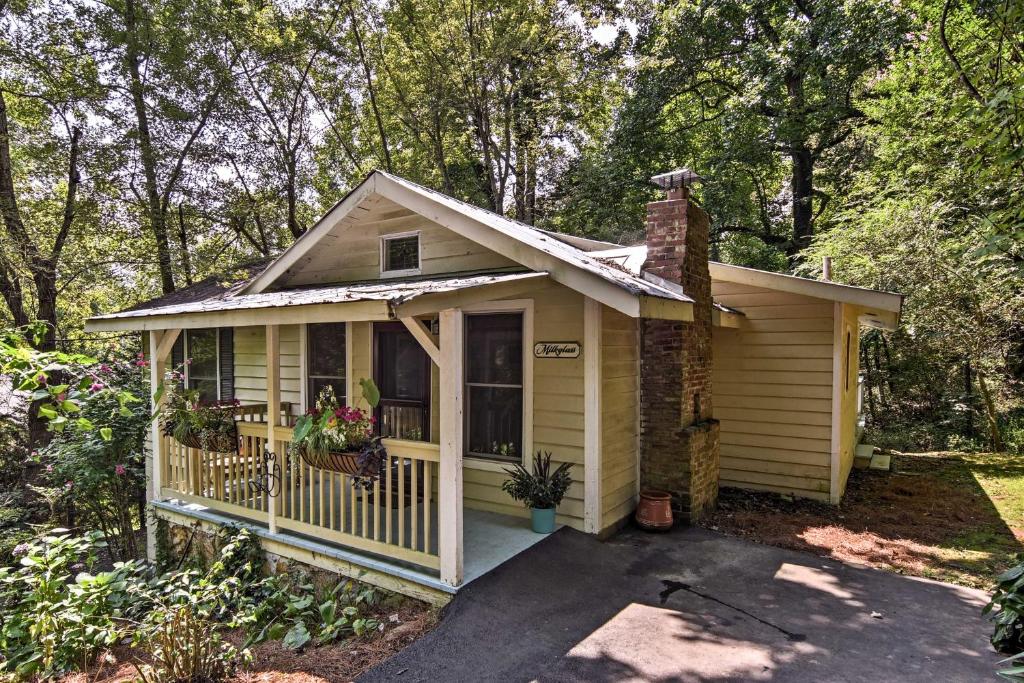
point(363, 464)
point(340, 438)
point(192, 423)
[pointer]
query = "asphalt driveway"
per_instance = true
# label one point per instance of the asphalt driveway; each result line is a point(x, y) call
point(694, 605)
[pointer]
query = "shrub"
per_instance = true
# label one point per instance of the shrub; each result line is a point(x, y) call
point(100, 476)
point(57, 615)
point(1006, 610)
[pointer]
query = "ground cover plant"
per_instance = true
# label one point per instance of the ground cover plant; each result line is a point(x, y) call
point(63, 613)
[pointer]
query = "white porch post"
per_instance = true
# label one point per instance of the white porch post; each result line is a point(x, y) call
point(592, 416)
point(273, 411)
point(160, 343)
point(449, 507)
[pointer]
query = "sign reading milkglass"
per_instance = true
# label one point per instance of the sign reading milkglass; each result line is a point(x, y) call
point(556, 349)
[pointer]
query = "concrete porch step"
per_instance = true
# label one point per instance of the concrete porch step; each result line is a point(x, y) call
point(862, 456)
point(882, 463)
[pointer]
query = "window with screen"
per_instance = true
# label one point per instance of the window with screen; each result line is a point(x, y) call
point(494, 385)
point(325, 360)
point(201, 349)
point(400, 253)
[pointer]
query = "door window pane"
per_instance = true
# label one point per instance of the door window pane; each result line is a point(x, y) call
point(494, 385)
point(402, 373)
point(202, 368)
point(325, 360)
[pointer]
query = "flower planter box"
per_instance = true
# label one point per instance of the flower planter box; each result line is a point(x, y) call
point(220, 443)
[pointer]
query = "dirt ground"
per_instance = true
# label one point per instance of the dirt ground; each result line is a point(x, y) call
point(952, 517)
point(272, 663)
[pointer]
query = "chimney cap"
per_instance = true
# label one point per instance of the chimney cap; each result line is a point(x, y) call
point(681, 177)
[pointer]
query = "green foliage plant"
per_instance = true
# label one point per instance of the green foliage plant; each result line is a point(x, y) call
point(194, 422)
point(56, 614)
point(543, 488)
point(1006, 611)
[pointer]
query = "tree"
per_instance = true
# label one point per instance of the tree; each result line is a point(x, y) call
point(758, 95)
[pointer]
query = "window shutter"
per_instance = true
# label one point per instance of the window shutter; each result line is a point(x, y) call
point(226, 349)
point(178, 352)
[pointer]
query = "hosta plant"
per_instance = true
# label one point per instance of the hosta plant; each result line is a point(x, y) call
point(1006, 610)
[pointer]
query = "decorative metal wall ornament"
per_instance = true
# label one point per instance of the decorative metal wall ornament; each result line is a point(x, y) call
point(268, 476)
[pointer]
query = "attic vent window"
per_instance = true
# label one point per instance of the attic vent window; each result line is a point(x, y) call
point(400, 254)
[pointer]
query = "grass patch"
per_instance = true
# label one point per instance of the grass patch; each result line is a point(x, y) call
point(956, 517)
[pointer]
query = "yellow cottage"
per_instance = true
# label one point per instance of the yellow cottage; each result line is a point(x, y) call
point(490, 340)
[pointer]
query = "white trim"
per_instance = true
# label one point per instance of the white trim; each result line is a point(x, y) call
point(449, 475)
point(350, 390)
point(384, 239)
point(304, 368)
point(511, 306)
point(591, 415)
point(835, 460)
point(884, 307)
point(273, 349)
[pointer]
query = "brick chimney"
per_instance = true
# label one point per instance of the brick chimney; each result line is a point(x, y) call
point(679, 438)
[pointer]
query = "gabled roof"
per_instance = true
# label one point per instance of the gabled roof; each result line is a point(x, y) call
point(532, 248)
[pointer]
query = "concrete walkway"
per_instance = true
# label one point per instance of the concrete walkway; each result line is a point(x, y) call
point(694, 605)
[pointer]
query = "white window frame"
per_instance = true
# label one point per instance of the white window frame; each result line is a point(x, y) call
point(524, 306)
point(304, 397)
point(384, 239)
point(186, 356)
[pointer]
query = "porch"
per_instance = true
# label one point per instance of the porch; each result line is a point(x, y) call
point(393, 525)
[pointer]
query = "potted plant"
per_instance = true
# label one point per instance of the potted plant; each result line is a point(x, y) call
point(340, 438)
point(541, 491)
point(209, 426)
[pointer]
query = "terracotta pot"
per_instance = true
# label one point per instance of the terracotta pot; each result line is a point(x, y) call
point(654, 512)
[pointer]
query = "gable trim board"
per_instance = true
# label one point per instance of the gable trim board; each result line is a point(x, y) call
point(523, 244)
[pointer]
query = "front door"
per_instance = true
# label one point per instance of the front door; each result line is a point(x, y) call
point(401, 369)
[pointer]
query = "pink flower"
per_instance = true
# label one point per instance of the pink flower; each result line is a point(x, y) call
point(95, 387)
point(140, 355)
point(49, 469)
point(104, 368)
point(142, 363)
point(62, 396)
point(68, 485)
point(188, 361)
point(120, 470)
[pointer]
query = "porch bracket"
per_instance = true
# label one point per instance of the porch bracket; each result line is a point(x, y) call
point(420, 332)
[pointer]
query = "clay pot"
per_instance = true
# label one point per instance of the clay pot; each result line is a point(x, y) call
point(654, 512)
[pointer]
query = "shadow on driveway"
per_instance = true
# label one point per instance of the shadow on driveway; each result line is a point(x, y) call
point(694, 605)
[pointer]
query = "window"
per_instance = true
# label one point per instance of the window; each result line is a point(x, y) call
point(494, 385)
point(400, 254)
point(210, 367)
point(402, 373)
point(325, 360)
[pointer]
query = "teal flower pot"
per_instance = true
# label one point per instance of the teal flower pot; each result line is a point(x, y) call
point(542, 520)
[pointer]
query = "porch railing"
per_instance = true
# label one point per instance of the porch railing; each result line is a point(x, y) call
point(395, 518)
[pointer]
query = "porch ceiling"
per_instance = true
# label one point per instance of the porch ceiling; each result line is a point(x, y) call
point(376, 300)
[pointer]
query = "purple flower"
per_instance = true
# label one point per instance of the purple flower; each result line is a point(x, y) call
point(120, 470)
point(104, 368)
point(41, 378)
point(20, 550)
point(96, 387)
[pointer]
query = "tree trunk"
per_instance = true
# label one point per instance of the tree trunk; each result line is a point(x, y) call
point(157, 219)
point(802, 187)
point(992, 417)
point(186, 258)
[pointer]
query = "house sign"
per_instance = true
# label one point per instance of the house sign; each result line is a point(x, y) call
point(556, 349)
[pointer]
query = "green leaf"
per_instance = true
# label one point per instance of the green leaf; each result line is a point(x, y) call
point(106, 433)
point(370, 391)
point(297, 636)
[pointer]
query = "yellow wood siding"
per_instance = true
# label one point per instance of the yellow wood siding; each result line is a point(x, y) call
point(619, 415)
point(848, 391)
point(557, 409)
point(251, 365)
point(772, 391)
point(352, 252)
